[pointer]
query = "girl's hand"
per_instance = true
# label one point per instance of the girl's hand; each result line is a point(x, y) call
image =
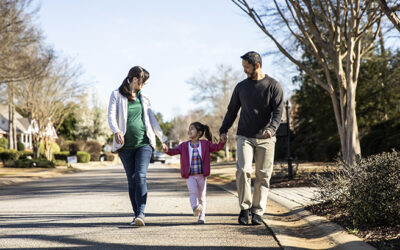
point(119, 138)
point(164, 147)
point(223, 138)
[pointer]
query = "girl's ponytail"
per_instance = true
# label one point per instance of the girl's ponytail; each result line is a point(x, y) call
point(205, 130)
point(208, 134)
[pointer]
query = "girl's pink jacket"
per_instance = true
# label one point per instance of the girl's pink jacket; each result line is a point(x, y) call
point(206, 148)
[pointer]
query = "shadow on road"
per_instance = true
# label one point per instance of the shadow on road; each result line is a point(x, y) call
point(87, 244)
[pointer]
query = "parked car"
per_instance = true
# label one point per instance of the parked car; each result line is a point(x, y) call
point(158, 156)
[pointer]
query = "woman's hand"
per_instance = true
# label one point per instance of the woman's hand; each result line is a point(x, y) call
point(164, 147)
point(119, 138)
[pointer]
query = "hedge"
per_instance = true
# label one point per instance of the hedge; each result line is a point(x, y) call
point(9, 154)
point(83, 157)
point(33, 163)
point(12, 155)
point(61, 155)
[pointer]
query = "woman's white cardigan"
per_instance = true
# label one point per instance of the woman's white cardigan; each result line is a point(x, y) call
point(118, 116)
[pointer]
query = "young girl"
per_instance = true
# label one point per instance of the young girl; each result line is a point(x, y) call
point(195, 165)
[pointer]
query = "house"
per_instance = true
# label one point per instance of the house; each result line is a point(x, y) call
point(22, 126)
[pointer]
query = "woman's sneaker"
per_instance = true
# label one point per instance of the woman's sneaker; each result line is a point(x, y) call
point(197, 210)
point(139, 221)
point(200, 221)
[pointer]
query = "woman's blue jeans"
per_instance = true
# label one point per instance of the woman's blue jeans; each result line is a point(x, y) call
point(136, 162)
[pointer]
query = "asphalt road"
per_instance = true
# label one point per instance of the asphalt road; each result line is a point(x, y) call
point(91, 210)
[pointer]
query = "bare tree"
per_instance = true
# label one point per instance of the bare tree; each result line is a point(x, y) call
point(390, 12)
point(18, 38)
point(47, 100)
point(179, 128)
point(338, 34)
point(215, 89)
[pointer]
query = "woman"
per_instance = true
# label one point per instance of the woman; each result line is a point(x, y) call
point(134, 127)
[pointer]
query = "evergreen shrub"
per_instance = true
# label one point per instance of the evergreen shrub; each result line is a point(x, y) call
point(369, 190)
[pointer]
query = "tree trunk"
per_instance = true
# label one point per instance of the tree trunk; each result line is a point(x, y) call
point(353, 149)
point(12, 135)
point(36, 146)
point(48, 149)
point(227, 157)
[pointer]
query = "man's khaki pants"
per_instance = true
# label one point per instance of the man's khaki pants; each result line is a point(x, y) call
point(263, 152)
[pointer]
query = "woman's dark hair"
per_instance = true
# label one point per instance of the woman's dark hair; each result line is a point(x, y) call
point(140, 73)
point(205, 130)
point(252, 58)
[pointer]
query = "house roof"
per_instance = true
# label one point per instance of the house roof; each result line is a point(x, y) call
point(21, 123)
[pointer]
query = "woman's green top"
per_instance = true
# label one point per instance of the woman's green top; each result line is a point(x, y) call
point(135, 136)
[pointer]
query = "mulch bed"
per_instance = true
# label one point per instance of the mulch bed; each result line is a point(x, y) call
point(381, 237)
point(281, 182)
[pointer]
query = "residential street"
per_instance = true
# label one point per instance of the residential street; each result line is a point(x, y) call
point(92, 210)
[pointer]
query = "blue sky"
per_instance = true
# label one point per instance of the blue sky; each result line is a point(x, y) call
point(172, 39)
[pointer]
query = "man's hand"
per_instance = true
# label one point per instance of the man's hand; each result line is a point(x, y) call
point(119, 138)
point(164, 147)
point(223, 138)
point(267, 134)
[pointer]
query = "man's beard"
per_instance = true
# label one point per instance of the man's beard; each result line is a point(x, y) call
point(253, 75)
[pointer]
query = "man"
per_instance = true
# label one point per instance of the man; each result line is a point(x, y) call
point(261, 99)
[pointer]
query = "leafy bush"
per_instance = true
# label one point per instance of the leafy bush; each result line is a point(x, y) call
point(61, 155)
point(20, 146)
point(3, 143)
point(83, 157)
point(369, 190)
point(55, 148)
point(76, 146)
point(109, 157)
point(63, 143)
point(94, 149)
point(33, 163)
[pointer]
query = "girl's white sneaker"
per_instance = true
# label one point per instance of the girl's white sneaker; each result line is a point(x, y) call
point(197, 210)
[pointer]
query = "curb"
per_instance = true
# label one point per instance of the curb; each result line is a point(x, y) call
point(318, 233)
